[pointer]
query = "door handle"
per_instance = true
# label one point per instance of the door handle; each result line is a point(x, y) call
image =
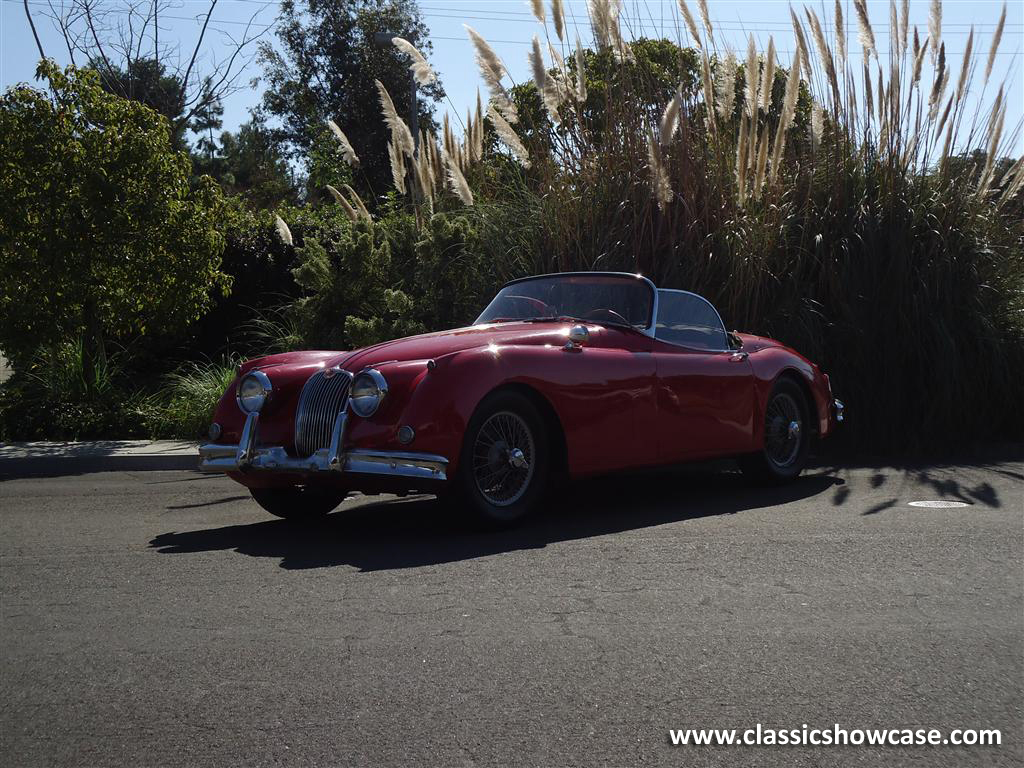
point(738, 357)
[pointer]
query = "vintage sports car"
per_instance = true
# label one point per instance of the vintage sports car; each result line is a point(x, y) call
point(570, 374)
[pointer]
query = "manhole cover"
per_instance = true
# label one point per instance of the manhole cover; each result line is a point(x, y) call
point(941, 504)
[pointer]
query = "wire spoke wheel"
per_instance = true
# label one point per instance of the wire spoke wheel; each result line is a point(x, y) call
point(504, 458)
point(783, 430)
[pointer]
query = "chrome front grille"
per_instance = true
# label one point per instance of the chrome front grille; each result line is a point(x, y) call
point(323, 396)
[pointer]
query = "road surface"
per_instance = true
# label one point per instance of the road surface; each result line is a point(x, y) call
point(162, 619)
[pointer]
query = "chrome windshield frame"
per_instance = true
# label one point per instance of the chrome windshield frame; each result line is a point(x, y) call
point(648, 330)
point(713, 309)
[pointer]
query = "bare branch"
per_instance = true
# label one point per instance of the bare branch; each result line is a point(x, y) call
point(199, 43)
point(32, 24)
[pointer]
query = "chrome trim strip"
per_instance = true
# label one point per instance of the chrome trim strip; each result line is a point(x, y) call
point(840, 410)
point(247, 457)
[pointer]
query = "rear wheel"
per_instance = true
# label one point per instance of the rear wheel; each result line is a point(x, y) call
point(503, 468)
point(786, 436)
point(299, 502)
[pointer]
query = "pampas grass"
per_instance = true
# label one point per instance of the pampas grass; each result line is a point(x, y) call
point(492, 70)
point(935, 25)
point(558, 18)
point(691, 25)
point(904, 25)
point(865, 34)
point(282, 231)
point(420, 69)
point(396, 156)
point(536, 59)
point(508, 136)
point(345, 204)
point(787, 116)
point(401, 136)
point(346, 147)
point(767, 76)
point(725, 86)
point(357, 201)
point(456, 179)
point(658, 173)
point(537, 6)
point(581, 79)
point(702, 6)
point(669, 120)
point(996, 38)
point(750, 73)
point(840, 33)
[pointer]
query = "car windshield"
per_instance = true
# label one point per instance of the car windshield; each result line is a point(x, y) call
point(598, 298)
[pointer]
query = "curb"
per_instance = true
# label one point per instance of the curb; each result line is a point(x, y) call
point(54, 460)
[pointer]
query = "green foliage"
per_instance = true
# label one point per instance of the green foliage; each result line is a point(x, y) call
point(251, 166)
point(183, 407)
point(147, 81)
point(353, 287)
point(101, 235)
point(58, 395)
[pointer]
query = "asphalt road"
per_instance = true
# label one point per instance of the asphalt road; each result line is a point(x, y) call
point(153, 619)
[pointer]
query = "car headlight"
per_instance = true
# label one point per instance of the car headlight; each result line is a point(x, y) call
point(253, 391)
point(368, 391)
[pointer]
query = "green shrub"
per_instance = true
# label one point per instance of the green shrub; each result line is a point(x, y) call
point(57, 397)
point(184, 406)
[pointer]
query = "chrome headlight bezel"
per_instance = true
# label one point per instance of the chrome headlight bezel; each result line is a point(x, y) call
point(368, 390)
point(257, 399)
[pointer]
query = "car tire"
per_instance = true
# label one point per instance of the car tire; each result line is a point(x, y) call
point(504, 464)
point(787, 433)
point(299, 502)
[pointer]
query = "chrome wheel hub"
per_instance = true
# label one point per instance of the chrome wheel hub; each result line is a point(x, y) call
point(783, 430)
point(503, 454)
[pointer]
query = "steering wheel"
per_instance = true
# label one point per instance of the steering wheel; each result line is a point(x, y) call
point(606, 315)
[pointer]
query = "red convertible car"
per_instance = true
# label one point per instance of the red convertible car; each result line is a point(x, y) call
point(569, 374)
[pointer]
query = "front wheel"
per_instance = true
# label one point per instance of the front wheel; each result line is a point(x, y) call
point(503, 468)
point(786, 436)
point(299, 502)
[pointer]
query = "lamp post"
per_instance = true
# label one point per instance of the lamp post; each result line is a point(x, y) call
point(383, 39)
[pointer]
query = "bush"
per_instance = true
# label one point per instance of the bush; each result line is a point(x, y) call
point(184, 406)
point(866, 230)
point(56, 398)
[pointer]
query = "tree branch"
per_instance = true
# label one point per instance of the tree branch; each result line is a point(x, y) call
point(199, 42)
point(32, 24)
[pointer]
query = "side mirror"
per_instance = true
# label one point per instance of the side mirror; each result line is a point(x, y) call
point(735, 342)
point(578, 336)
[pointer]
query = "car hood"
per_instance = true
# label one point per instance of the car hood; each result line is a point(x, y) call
point(423, 347)
point(435, 345)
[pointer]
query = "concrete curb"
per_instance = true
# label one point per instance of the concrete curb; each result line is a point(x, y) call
point(56, 459)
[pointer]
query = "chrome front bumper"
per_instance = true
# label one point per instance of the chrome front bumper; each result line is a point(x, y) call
point(248, 457)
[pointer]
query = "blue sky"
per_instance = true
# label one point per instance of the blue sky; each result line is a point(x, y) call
point(509, 26)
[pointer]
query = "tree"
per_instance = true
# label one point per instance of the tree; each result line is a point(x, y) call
point(101, 233)
point(325, 69)
point(122, 43)
point(250, 165)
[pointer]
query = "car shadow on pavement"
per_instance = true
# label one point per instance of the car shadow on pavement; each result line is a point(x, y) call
point(422, 530)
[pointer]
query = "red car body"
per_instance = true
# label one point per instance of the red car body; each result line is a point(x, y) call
point(624, 399)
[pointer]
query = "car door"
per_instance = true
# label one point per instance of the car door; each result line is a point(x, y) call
point(704, 389)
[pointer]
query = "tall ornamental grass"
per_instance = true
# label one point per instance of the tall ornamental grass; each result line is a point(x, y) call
point(860, 208)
